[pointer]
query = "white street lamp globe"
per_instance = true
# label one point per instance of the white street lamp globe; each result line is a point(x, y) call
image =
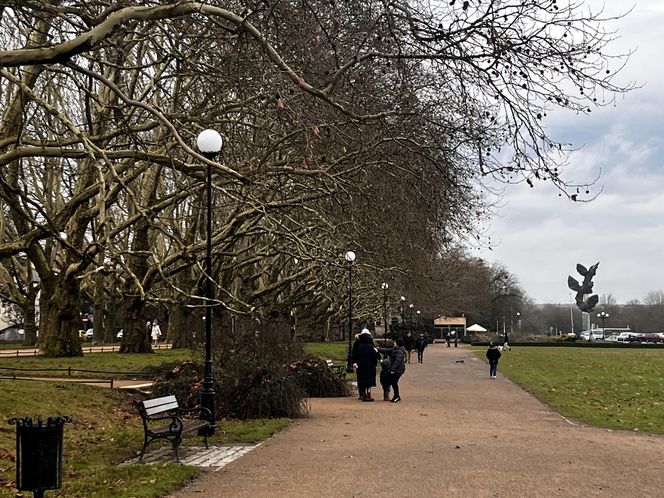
point(403, 298)
point(418, 312)
point(384, 286)
point(350, 256)
point(411, 306)
point(209, 142)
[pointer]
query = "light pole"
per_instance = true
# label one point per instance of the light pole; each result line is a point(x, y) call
point(384, 286)
point(403, 319)
point(209, 143)
point(602, 316)
point(518, 322)
point(419, 324)
point(410, 329)
point(350, 257)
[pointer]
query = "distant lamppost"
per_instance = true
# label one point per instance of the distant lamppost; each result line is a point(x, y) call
point(403, 320)
point(419, 323)
point(384, 286)
point(209, 144)
point(602, 316)
point(518, 322)
point(410, 328)
point(350, 257)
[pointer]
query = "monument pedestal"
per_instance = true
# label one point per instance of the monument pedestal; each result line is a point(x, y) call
point(585, 321)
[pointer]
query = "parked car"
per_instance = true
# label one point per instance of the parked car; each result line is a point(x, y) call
point(12, 333)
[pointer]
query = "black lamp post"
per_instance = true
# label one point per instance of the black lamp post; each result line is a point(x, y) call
point(384, 286)
point(209, 143)
point(602, 316)
point(350, 257)
point(410, 328)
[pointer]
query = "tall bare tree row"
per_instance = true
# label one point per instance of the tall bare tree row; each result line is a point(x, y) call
point(364, 125)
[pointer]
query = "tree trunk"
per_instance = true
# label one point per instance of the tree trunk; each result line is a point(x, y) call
point(99, 334)
point(135, 338)
point(59, 326)
point(110, 318)
point(29, 316)
point(185, 328)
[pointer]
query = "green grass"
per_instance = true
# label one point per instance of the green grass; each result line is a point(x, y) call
point(612, 388)
point(105, 431)
point(112, 362)
point(335, 351)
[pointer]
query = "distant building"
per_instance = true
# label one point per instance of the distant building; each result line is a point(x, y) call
point(446, 326)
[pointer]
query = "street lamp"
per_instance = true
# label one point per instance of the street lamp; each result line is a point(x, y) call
point(384, 286)
point(518, 322)
point(350, 257)
point(209, 144)
point(602, 316)
point(410, 329)
point(419, 324)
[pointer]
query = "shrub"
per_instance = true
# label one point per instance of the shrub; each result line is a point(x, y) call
point(316, 379)
point(183, 380)
point(254, 388)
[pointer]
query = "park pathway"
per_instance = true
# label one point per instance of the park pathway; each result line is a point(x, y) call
point(457, 433)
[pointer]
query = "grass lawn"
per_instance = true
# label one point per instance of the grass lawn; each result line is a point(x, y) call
point(335, 351)
point(612, 388)
point(110, 362)
point(105, 431)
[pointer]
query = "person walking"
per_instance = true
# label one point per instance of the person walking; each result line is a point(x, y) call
point(397, 366)
point(493, 355)
point(421, 344)
point(408, 344)
point(365, 359)
point(155, 332)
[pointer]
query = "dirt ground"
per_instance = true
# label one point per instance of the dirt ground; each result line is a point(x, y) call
point(457, 433)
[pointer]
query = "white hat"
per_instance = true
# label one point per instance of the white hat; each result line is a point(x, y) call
point(365, 331)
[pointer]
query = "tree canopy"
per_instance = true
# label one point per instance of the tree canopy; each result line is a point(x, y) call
point(347, 124)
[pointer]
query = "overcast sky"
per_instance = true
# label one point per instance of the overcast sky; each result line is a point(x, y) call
point(540, 237)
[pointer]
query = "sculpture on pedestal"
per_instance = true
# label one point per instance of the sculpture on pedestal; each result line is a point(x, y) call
point(585, 288)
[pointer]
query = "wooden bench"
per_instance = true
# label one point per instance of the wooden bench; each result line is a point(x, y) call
point(164, 419)
point(339, 370)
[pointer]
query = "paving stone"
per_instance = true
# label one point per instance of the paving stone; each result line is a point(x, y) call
point(214, 457)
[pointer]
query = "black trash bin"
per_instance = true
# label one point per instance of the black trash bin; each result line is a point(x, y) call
point(39, 453)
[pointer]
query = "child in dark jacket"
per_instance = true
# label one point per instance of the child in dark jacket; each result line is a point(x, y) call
point(385, 378)
point(397, 366)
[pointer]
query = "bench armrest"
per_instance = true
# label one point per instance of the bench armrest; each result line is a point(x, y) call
point(203, 411)
point(175, 421)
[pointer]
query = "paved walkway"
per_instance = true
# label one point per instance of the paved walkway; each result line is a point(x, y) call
point(457, 433)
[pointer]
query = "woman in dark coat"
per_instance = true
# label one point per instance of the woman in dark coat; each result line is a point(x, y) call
point(365, 359)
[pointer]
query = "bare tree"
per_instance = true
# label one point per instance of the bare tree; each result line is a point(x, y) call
point(343, 122)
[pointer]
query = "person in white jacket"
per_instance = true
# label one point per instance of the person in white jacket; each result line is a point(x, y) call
point(156, 332)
